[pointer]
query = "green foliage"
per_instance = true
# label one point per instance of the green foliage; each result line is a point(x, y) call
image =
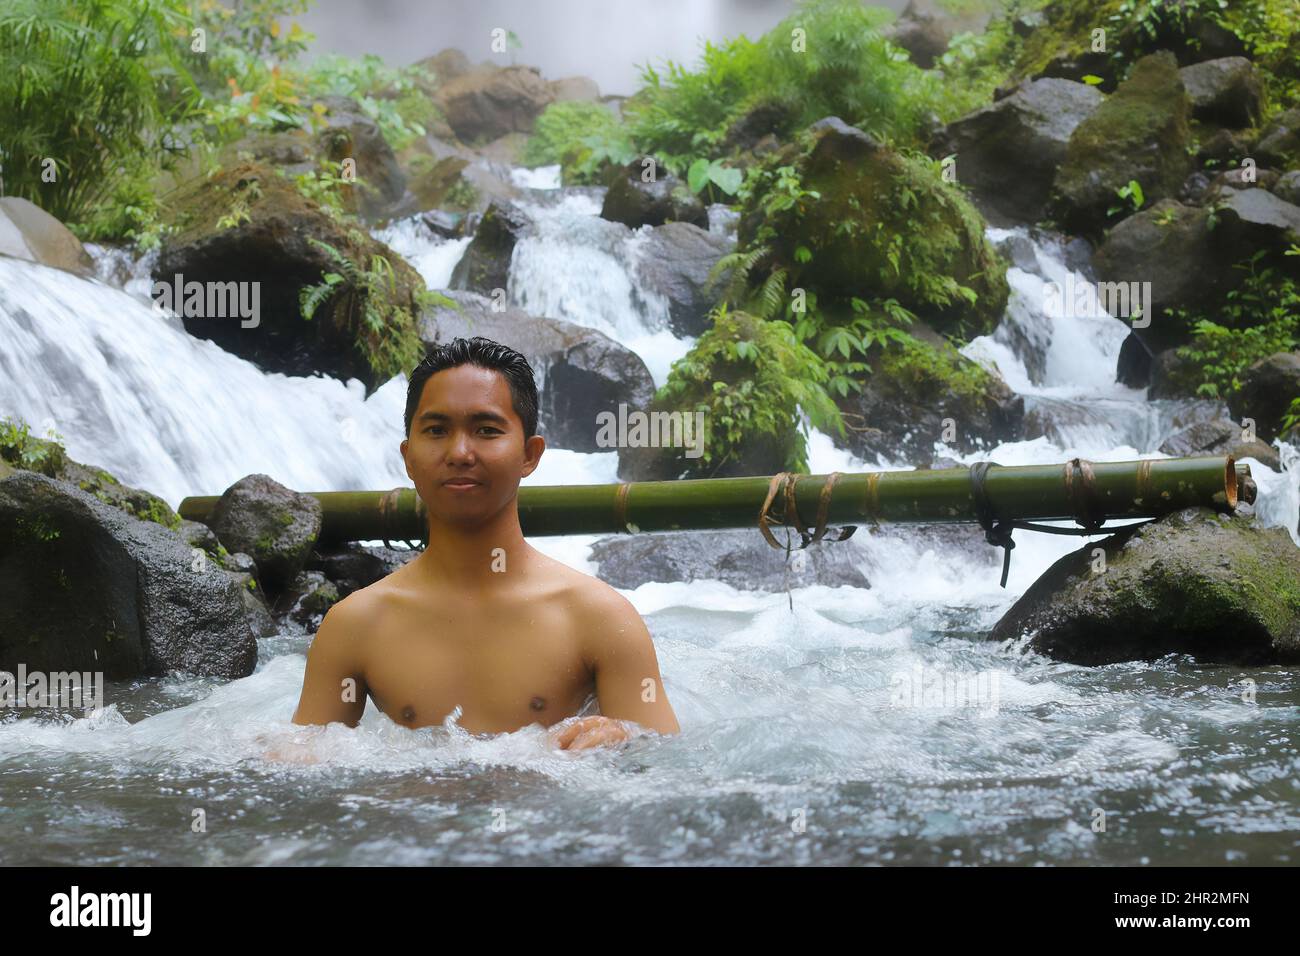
point(365, 302)
point(752, 378)
point(583, 138)
point(704, 173)
point(1292, 417)
point(20, 448)
point(393, 98)
point(1133, 193)
point(845, 68)
point(1258, 320)
point(89, 90)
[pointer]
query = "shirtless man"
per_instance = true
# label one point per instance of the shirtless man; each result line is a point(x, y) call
point(481, 620)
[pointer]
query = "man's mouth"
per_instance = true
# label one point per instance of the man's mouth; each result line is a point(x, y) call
point(461, 483)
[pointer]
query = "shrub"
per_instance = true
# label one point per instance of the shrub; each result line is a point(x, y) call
point(583, 138)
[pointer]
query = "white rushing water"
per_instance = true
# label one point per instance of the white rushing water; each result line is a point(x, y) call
point(788, 704)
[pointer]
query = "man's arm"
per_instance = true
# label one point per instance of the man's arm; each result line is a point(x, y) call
point(629, 686)
point(333, 688)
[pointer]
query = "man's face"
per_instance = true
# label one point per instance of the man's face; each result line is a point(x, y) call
point(466, 452)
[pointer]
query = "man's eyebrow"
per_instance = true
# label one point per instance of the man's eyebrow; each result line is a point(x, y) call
point(476, 417)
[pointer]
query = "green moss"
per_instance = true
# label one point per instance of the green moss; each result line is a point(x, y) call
point(934, 371)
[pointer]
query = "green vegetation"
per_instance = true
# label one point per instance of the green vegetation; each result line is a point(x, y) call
point(1258, 320)
point(20, 448)
point(752, 378)
point(828, 58)
point(585, 139)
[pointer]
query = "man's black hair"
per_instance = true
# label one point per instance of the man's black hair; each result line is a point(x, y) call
point(485, 354)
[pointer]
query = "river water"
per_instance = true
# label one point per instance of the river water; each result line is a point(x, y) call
point(827, 726)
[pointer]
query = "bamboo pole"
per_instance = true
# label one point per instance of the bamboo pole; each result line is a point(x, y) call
point(1115, 490)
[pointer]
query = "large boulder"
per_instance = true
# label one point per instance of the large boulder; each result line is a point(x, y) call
point(277, 526)
point(1218, 437)
point(351, 567)
point(635, 202)
point(348, 133)
point(29, 232)
point(1218, 587)
point(885, 225)
point(446, 65)
point(1226, 91)
point(676, 262)
point(1139, 133)
point(739, 558)
point(1267, 389)
point(487, 103)
point(249, 225)
point(1008, 152)
point(580, 372)
point(1255, 219)
point(85, 586)
point(928, 392)
point(485, 265)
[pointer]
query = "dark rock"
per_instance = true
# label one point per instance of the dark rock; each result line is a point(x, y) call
point(739, 558)
point(354, 567)
point(925, 28)
point(635, 202)
point(1007, 153)
point(1139, 133)
point(1267, 389)
point(485, 104)
point(770, 119)
point(1217, 587)
point(910, 395)
point(1171, 376)
point(1279, 141)
point(1287, 187)
point(86, 587)
point(1256, 219)
point(580, 372)
point(304, 602)
point(1226, 91)
point(273, 247)
point(676, 263)
point(277, 526)
point(1218, 147)
point(485, 266)
point(28, 232)
point(348, 133)
point(1220, 437)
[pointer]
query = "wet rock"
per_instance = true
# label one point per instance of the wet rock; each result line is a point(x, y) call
point(485, 266)
point(1139, 133)
point(1217, 587)
point(1219, 437)
point(926, 393)
point(28, 232)
point(772, 119)
point(1007, 153)
point(86, 587)
point(635, 202)
point(580, 372)
point(575, 89)
point(739, 558)
point(1256, 219)
point(1267, 390)
point(277, 526)
point(487, 103)
point(354, 566)
point(1226, 91)
point(676, 263)
point(247, 225)
point(304, 602)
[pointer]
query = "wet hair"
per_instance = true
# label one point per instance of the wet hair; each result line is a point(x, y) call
point(485, 354)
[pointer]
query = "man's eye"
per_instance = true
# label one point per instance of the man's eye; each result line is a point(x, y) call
point(433, 428)
point(489, 430)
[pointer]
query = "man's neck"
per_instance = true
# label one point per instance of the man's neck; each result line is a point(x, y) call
point(476, 555)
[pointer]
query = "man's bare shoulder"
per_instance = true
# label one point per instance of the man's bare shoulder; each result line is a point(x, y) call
point(592, 600)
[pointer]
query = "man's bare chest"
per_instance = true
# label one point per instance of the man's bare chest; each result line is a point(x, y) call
point(503, 675)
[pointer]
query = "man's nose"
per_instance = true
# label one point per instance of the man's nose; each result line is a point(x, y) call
point(460, 450)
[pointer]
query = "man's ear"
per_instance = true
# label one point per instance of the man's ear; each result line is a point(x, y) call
point(402, 448)
point(533, 448)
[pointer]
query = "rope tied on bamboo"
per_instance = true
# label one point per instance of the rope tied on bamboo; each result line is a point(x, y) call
point(783, 484)
point(1080, 488)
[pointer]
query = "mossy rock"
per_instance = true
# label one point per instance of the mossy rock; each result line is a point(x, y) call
point(1138, 134)
point(1220, 588)
point(248, 224)
point(277, 526)
point(886, 225)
